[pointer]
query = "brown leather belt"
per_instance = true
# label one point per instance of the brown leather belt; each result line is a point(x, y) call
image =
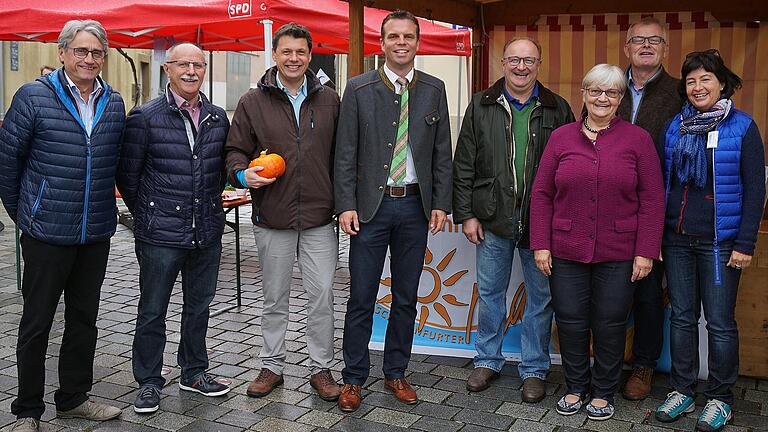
point(401, 191)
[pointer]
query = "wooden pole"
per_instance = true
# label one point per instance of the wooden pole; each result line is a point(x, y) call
point(355, 59)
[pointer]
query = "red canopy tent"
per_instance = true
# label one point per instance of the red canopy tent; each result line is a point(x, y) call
point(216, 25)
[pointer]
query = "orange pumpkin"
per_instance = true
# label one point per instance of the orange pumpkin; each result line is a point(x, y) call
point(273, 163)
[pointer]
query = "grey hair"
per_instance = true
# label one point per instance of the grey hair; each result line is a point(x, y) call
point(69, 32)
point(169, 51)
point(649, 20)
point(607, 75)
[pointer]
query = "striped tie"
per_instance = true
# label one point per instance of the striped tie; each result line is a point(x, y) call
point(397, 170)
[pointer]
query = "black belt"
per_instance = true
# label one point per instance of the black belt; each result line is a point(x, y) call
point(401, 191)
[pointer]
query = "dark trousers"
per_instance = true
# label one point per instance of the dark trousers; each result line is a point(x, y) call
point(648, 312)
point(691, 277)
point(592, 298)
point(400, 225)
point(78, 272)
point(158, 268)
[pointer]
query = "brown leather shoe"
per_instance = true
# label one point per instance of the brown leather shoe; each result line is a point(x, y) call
point(263, 384)
point(327, 387)
point(480, 379)
point(349, 400)
point(402, 390)
point(533, 390)
point(638, 385)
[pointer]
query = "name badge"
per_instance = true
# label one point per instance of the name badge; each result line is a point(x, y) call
point(712, 139)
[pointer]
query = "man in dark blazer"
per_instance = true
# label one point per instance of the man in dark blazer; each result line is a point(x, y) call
point(392, 184)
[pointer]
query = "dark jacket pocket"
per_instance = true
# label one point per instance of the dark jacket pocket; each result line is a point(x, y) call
point(484, 198)
point(432, 118)
point(562, 224)
point(626, 225)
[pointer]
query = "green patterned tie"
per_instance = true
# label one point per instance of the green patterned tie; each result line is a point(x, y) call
point(397, 170)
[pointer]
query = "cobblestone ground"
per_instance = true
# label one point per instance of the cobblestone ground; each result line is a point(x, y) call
point(234, 339)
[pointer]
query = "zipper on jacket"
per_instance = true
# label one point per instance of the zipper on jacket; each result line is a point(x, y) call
point(298, 159)
point(715, 246)
point(87, 187)
point(525, 170)
point(39, 197)
point(682, 210)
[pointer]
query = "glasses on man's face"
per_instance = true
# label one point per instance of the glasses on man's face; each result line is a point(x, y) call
point(596, 92)
point(514, 60)
point(185, 64)
point(640, 40)
point(82, 53)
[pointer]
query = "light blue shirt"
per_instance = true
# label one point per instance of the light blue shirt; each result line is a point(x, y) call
point(297, 100)
point(86, 109)
point(637, 95)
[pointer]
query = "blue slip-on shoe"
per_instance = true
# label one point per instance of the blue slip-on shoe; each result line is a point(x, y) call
point(567, 408)
point(600, 413)
point(148, 400)
point(714, 416)
point(676, 405)
point(205, 385)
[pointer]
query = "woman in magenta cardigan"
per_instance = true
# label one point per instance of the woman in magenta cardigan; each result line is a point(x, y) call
point(597, 215)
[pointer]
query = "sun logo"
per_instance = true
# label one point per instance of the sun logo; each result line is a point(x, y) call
point(454, 310)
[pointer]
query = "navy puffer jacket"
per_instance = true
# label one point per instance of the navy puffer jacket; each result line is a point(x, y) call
point(173, 191)
point(56, 182)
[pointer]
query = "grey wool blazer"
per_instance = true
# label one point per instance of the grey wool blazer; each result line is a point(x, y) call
point(365, 137)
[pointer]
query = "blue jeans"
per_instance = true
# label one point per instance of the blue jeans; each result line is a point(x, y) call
point(158, 268)
point(690, 277)
point(494, 266)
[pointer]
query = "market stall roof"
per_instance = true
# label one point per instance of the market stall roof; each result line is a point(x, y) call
point(488, 13)
point(220, 25)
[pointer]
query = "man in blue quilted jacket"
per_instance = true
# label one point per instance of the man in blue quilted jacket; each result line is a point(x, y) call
point(59, 148)
point(171, 176)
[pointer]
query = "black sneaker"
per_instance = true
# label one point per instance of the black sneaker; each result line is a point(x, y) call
point(205, 385)
point(148, 400)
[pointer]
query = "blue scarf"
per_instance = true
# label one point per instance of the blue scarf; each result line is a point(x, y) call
point(689, 156)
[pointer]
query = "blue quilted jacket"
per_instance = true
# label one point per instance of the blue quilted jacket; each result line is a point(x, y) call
point(56, 182)
point(730, 206)
point(174, 189)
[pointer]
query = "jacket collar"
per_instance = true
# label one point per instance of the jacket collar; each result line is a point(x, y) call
point(206, 106)
point(268, 82)
point(655, 79)
point(494, 92)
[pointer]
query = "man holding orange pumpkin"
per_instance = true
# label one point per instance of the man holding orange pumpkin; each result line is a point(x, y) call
point(293, 115)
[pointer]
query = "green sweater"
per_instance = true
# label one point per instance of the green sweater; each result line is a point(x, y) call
point(520, 120)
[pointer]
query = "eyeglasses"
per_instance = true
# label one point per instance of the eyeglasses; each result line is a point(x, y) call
point(514, 60)
point(82, 53)
point(596, 92)
point(184, 64)
point(640, 40)
point(710, 51)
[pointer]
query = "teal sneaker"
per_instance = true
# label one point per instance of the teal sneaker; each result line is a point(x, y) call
point(714, 416)
point(676, 405)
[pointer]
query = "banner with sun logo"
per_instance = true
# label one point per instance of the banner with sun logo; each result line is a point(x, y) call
point(446, 320)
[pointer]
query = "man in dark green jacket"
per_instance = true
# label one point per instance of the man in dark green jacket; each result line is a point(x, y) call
point(501, 141)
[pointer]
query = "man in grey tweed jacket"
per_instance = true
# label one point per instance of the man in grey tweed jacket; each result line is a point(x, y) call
point(392, 184)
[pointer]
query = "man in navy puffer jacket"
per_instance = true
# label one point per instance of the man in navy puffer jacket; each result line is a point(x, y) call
point(59, 146)
point(171, 176)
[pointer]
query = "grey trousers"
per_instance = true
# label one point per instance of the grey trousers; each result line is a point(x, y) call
point(317, 250)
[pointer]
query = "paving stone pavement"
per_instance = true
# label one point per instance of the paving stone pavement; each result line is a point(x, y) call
point(234, 339)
